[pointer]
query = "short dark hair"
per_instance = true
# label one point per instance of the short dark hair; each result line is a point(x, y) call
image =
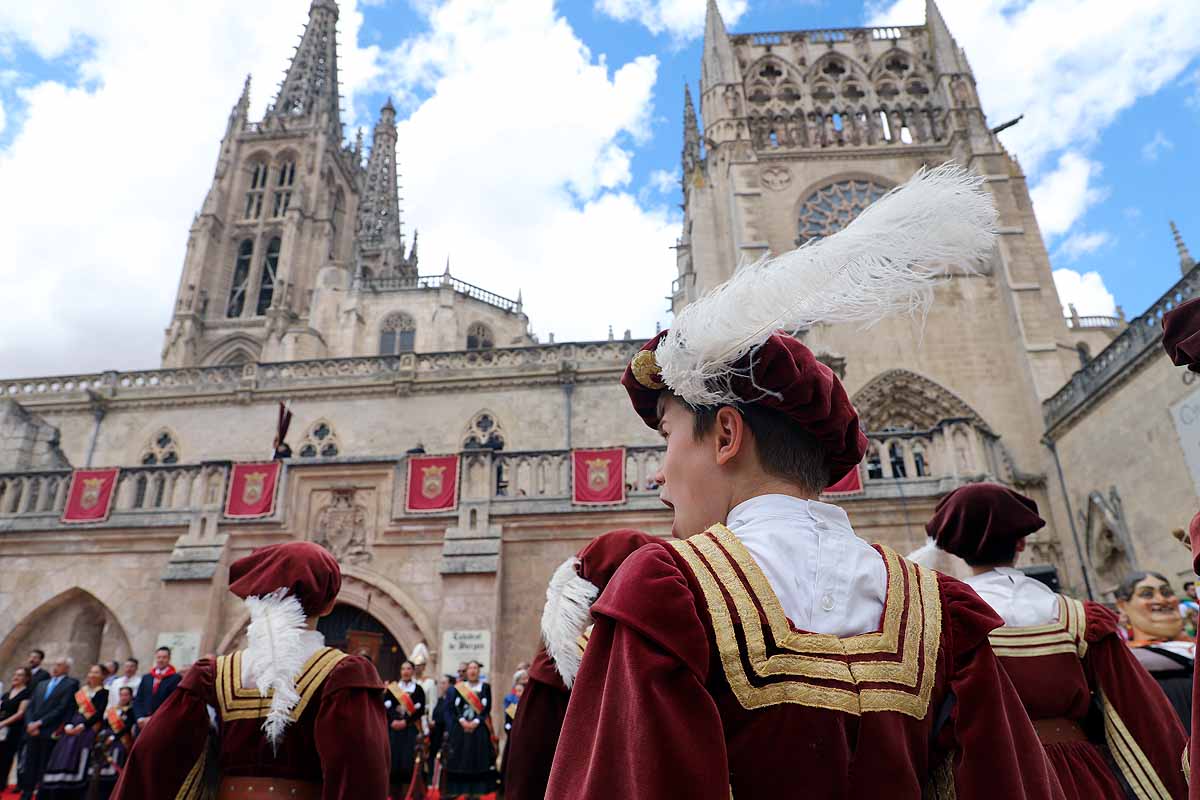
point(1125, 590)
point(134, 660)
point(41, 653)
point(997, 555)
point(163, 649)
point(125, 689)
point(1186, 584)
point(785, 450)
point(28, 673)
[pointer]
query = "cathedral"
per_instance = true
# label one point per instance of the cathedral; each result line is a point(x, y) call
point(300, 285)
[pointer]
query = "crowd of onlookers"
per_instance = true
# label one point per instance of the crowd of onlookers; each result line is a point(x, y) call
point(62, 734)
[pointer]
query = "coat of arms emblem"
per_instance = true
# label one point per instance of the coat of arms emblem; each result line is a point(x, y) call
point(597, 474)
point(252, 487)
point(91, 493)
point(431, 481)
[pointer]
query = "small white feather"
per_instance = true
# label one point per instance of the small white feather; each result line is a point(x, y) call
point(884, 262)
point(567, 614)
point(275, 655)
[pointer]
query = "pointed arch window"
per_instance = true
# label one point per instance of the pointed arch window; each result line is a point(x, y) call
point(241, 279)
point(283, 188)
point(398, 334)
point(479, 337)
point(161, 449)
point(266, 283)
point(254, 195)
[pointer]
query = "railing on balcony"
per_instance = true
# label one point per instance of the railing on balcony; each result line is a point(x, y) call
point(1094, 321)
point(398, 283)
point(546, 474)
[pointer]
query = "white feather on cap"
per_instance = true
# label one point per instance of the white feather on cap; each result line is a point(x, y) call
point(884, 262)
point(567, 614)
point(275, 654)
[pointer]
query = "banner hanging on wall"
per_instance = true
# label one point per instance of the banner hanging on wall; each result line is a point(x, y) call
point(599, 476)
point(432, 484)
point(252, 490)
point(89, 499)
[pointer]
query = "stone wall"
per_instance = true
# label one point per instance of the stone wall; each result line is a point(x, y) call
point(27, 441)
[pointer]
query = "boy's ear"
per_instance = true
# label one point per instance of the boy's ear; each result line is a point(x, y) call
point(730, 431)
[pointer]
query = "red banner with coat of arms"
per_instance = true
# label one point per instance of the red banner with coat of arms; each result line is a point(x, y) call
point(432, 484)
point(599, 476)
point(90, 497)
point(252, 490)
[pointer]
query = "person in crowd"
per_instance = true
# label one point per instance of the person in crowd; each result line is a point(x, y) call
point(405, 704)
point(156, 686)
point(37, 673)
point(67, 772)
point(1150, 609)
point(471, 758)
point(419, 658)
point(112, 670)
point(439, 724)
point(1063, 656)
point(13, 705)
point(128, 677)
point(566, 622)
point(520, 678)
point(50, 706)
point(462, 671)
point(293, 714)
point(116, 738)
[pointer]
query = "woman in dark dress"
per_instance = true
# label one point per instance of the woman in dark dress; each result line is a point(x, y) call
point(1151, 609)
point(405, 704)
point(67, 772)
point(12, 714)
point(116, 737)
point(471, 752)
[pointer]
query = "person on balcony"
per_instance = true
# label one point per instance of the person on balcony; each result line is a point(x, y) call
point(1093, 706)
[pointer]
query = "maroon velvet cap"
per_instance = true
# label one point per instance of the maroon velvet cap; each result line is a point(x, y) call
point(1181, 335)
point(979, 522)
point(803, 388)
point(306, 570)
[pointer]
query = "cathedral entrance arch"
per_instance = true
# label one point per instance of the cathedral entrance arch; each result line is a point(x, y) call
point(73, 623)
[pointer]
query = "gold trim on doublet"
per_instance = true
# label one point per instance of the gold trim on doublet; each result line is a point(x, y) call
point(1066, 635)
point(237, 702)
point(1137, 769)
point(844, 666)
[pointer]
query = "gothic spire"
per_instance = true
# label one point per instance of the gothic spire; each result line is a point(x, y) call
point(718, 65)
point(240, 112)
point(309, 91)
point(691, 135)
point(946, 52)
point(379, 207)
point(1186, 262)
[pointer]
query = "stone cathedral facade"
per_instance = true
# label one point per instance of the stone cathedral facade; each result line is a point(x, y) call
point(300, 284)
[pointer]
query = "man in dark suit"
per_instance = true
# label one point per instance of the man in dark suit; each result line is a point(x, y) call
point(50, 706)
point(156, 686)
point(37, 673)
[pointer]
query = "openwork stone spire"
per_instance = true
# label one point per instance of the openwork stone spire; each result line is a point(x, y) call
point(309, 92)
point(691, 135)
point(1186, 262)
point(380, 237)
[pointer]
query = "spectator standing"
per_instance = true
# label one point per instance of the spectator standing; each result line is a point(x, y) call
point(50, 707)
point(67, 771)
point(156, 686)
point(37, 673)
point(13, 705)
point(127, 678)
point(117, 738)
point(471, 761)
point(440, 722)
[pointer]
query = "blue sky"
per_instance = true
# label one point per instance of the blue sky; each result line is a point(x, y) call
point(539, 144)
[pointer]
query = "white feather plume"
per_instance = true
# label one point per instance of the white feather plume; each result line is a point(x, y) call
point(884, 262)
point(275, 655)
point(567, 614)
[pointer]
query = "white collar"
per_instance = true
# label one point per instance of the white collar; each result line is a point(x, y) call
point(766, 506)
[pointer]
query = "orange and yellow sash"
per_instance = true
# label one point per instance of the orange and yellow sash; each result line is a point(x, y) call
point(116, 720)
point(84, 703)
point(472, 699)
point(403, 698)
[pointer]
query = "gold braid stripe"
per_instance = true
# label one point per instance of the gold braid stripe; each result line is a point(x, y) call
point(237, 702)
point(193, 787)
point(941, 781)
point(1130, 759)
point(1187, 765)
point(1064, 636)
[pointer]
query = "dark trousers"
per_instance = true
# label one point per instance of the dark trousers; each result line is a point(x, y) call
point(8, 754)
point(33, 764)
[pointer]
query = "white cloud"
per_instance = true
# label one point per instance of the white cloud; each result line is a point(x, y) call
point(1085, 291)
point(101, 179)
point(2, 118)
point(1083, 243)
point(525, 183)
point(1067, 65)
point(664, 181)
point(1157, 145)
point(1063, 195)
point(682, 19)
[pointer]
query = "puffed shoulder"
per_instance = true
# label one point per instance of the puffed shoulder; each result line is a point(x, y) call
point(200, 677)
point(966, 616)
point(650, 593)
point(1101, 621)
point(353, 672)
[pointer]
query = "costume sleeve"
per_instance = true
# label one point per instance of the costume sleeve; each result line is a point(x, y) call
point(995, 750)
point(640, 723)
point(167, 759)
point(532, 740)
point(1141, 728)
point(351, 733)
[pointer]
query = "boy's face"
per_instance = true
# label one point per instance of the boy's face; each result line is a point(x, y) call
point(690, 479)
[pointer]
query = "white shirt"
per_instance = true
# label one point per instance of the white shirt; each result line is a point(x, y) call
point(119, 682)
point(1017, 598)
point(826, 578)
